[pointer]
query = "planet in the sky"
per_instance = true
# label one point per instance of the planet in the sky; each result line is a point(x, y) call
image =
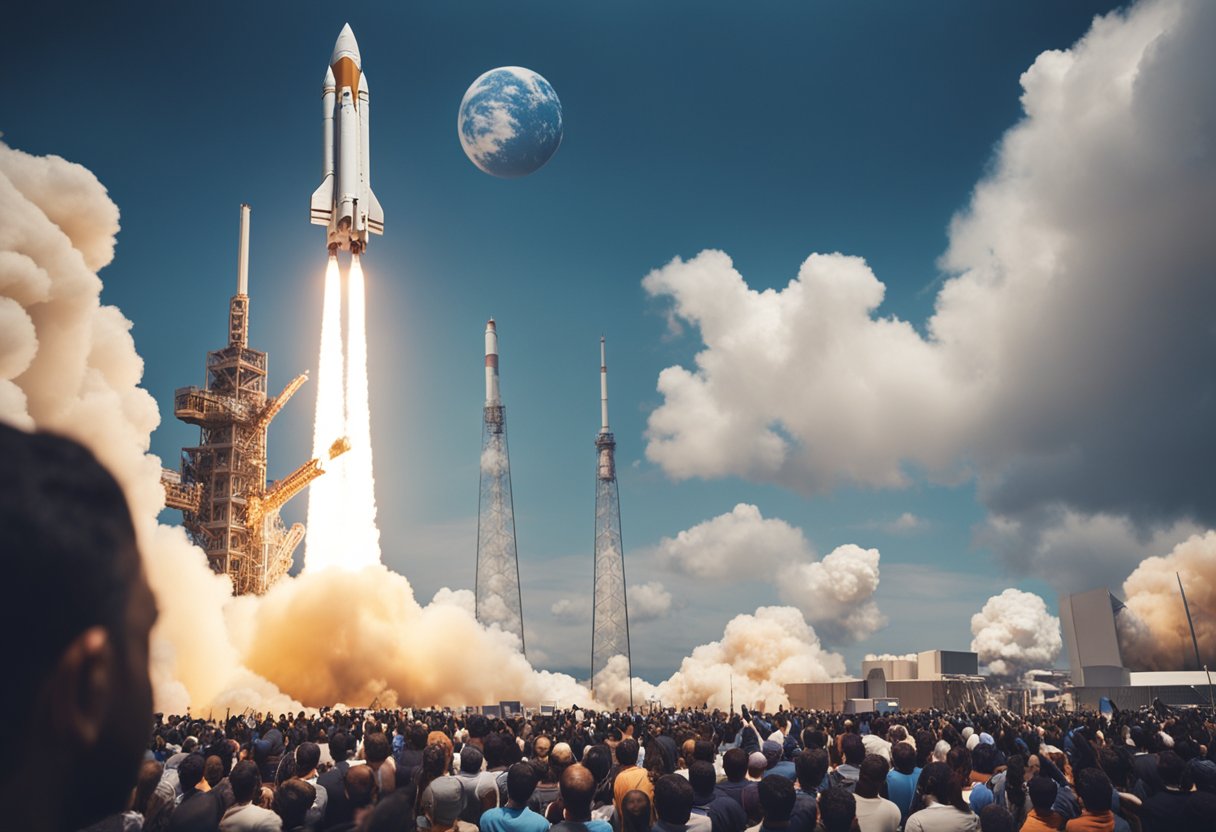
point(510, 122)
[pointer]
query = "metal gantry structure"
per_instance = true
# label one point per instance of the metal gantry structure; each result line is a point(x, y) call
point(228, 508)
point(610, 613)
point(499, 600)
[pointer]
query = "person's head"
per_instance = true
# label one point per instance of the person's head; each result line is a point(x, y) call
point(308, 756)
point(246, 781)
point(703, 750)
point(213, 771)
point(376, 748)
point(359, 786)
point(292, 800)
point(734, 763)
point(940, 784)
point(627, 752)
point(1170, 768)
point(1094, 789)
point(940, 751)
point(521, 782)
point(578, 789)
point(757, 764)
point(776, 798)
point(837, 809)
point(598, 759)
point(541, 746)
point(443, 801)
point(811, 767)
point(702, 777)
point(1043, 792)
point(190, 771)
point(871, 775)
point(903, 758)
point(995, 818)
point(470, 759)
point(852, 749)
point(496, 751)
point(673, 799)
point(772, 750)
point(68, 537)
point(149, 778)
point(983, 759)
point(878, 727)
point(635, 811)
point(479, 727)
point(959, 760)
point(338, 747)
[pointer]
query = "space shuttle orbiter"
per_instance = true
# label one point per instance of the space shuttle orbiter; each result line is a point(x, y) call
point(345, 202)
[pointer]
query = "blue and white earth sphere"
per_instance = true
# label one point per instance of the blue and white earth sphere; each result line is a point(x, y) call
point(510, 122)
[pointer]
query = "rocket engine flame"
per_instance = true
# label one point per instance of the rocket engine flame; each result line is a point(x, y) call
point(328, 493)
point(359, 523)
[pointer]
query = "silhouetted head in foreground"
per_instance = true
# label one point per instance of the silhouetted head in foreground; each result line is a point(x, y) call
point(76, 643)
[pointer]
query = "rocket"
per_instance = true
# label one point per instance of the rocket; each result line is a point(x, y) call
point(492, 394)
point(345, 202)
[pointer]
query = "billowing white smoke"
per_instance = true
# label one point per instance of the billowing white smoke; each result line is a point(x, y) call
point(757, 657)
point(835, 593)
point(1156, 636)
point(69, 364)
point(1014, 632)
point(648, 602)
point(1084, 255)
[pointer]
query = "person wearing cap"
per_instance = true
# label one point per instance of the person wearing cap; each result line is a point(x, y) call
point(442, 802)
point(774, 764)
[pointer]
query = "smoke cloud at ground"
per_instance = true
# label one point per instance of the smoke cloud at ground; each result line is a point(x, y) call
point(1014, 632)
point(1157, 637)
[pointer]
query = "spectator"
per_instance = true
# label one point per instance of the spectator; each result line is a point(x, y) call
point(734, 763)
point(673, 806)
point(853, 750)
point(480, 787)
point(578, 792)
point(901, 779)
point(337, 809)
point(811, 767)
point(636, 810)
point(1096, 794)
point(995, 818)
point(1043, 792)
point(244, 815)
point(837, 810)
point(516, 816)
point(443, 802)
point(292, 801)
point(308, 756)
point(874, 812)
point(631, 776)
point(69, 541)
point(776, 803)
point(940, 806)
point(725, 814)
point(1166, 809)
point(197, 810)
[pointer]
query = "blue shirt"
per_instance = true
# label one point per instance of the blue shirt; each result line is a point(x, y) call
point(901, 788)
point(506, 819)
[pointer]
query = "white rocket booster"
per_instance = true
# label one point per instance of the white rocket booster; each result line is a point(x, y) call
point(492, 394)
point(345, 202)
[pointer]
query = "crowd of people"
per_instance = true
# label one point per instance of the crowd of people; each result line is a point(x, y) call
point(679, 771)
point(81, 686)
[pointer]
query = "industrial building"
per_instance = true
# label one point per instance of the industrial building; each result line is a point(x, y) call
point(1091, 636)
point(942, 679)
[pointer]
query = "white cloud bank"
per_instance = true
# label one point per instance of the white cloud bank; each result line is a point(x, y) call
point(1067, 364)
point(1014, 632)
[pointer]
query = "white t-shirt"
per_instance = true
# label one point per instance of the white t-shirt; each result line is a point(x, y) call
point(877, 814)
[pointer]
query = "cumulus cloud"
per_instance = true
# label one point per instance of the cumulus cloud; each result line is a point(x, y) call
point(648, 602)
point(1014, 632)
point(906, 523)
point(739, 545)
point(757, 656)
point(1073, 323)
point(836, 593)
point(1158, 637)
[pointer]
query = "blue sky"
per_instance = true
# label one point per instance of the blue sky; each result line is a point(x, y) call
point(767, 130)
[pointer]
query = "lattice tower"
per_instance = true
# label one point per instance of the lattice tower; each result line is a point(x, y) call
point(498, 594)
point(610, 615)
point(221, 489)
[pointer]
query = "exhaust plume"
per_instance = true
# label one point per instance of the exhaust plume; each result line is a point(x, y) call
point(327, 494)
point(1158, 637)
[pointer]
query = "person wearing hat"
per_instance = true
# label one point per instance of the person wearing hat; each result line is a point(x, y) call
point(442, 803)
point(774, 764)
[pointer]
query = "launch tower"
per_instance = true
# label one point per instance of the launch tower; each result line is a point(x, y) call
point(610, 615)
point(498, 596)
point(227, 506)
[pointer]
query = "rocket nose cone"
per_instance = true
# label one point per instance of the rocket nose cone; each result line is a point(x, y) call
point(346, 47)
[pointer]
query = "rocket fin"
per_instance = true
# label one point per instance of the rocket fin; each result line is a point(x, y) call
point(323, 201)
point(375, 214)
